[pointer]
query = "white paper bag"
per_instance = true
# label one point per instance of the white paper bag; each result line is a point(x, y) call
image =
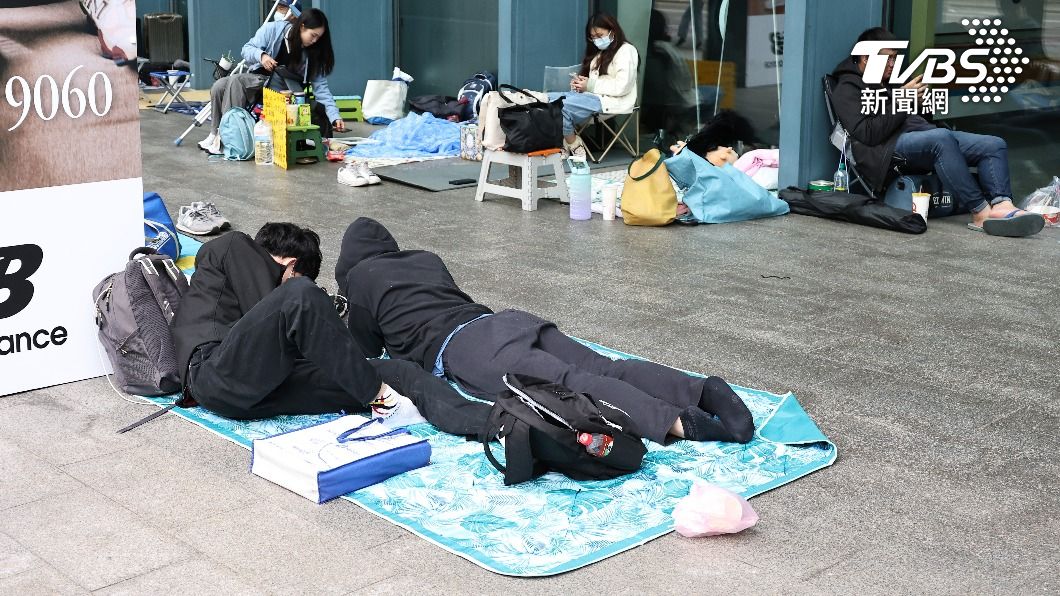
point(334, 458)
point(384, 99)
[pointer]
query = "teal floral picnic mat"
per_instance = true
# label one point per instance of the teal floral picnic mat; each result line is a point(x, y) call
point(554, 524)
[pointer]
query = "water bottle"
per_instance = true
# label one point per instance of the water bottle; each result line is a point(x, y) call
point(580, 186)
point(263, 143)
point(841, 180)
point(598, 445)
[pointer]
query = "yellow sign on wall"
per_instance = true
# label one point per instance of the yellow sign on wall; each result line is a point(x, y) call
point(274, 110)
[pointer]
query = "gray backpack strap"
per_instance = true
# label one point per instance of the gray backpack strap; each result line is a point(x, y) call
point(166, 294)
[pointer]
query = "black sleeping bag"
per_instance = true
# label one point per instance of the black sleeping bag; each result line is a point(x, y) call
point(849, 207)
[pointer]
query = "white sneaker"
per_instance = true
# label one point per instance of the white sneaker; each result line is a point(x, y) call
point(192, 219)
point(214, 148)
point(211, 211)
point(367, 174)
point(575, 149)
point(115, 22)
point(396, 410)
point(350, 175)
point(208, 142)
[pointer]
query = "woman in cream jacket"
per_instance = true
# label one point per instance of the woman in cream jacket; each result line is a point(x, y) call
point(607, 82)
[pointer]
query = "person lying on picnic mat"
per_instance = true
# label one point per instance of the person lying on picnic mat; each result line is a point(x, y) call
point(256, 337)
point(878, 137)
point(407, 302)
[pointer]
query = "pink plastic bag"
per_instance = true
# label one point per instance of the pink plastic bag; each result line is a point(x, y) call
point(710, 510)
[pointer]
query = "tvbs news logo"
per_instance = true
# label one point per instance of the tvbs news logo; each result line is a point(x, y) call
point(992, 66)
point(17, 265)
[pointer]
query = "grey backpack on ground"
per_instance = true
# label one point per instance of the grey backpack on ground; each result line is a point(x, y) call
point(134, 312)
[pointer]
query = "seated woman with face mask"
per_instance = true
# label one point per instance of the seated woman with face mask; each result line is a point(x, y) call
point(606, 83)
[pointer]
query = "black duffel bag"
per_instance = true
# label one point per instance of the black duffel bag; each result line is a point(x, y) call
point(856, 209)
point(532, 126)
point(439, 106)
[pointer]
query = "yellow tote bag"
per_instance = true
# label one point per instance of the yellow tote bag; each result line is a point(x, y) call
point(648, 197)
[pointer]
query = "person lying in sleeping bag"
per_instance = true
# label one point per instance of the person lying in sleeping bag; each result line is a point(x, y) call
point(256, 337)
point(407, 302)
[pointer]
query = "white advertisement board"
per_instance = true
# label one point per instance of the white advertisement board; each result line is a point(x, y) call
point(765, 49)
point(71, 191)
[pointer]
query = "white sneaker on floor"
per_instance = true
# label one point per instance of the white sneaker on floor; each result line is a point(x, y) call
point(367, 174)
point(208, 142)
point(214, 148)
point(396, 410)
point(211, 211)
point(350, 175)
point(115, 22)
point(192, 219)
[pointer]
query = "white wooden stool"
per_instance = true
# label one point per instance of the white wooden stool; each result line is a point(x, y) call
point(530, 190)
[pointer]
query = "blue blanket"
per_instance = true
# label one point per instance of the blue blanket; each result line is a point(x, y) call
point(554, 524)
point(415, 135)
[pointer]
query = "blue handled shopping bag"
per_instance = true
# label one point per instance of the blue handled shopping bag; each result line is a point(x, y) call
point(159, 231)
point(720, 194)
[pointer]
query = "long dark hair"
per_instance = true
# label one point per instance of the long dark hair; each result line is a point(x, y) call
point(603, 21)
point(321, 55)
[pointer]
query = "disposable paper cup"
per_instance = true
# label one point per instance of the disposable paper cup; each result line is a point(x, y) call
point(610, 195)
point(921, 201)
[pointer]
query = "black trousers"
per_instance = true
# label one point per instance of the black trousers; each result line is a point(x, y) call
point(518, 342)
point(292, 354)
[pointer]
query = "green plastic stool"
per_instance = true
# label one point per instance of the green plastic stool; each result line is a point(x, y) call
point(304, 133)
point(349, 107)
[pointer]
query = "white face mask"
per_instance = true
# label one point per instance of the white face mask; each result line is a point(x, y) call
point(279, 16)
point(602, 43)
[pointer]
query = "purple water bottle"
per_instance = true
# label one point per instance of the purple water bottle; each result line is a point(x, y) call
point(580, 189)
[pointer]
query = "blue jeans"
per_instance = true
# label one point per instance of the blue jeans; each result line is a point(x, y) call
point(577, 108)
point(949, 153)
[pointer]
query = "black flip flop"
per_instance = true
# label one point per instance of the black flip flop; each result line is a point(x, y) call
point(1015, 226)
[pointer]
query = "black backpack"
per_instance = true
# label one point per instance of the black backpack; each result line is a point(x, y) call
point(540, 422)
point(472, 92)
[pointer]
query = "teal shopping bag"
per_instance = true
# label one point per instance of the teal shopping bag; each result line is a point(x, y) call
point(720, 194)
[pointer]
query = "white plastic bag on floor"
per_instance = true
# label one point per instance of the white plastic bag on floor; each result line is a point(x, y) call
point(1045, 201)
point(710, 510)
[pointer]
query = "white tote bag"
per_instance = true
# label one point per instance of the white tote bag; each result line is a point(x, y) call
point(384, 99)
point(334, 458)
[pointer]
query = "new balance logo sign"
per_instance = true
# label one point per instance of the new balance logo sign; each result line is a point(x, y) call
point(17, 264)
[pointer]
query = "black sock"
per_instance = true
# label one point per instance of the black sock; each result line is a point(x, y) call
point(701, 426)
point(719, 399)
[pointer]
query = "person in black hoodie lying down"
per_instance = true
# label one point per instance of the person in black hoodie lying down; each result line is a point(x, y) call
point(256, 337)
point(407, 302)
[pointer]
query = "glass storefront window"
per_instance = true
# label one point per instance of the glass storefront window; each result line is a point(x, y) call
point(705, 56)
point(1028, 114)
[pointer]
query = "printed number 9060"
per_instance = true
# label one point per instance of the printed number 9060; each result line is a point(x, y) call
point(46, 97)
